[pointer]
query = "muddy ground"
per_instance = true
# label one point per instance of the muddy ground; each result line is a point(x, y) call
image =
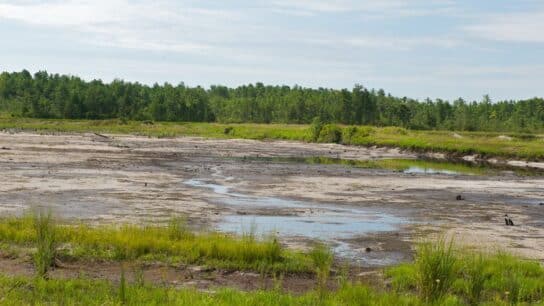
point(115, 178)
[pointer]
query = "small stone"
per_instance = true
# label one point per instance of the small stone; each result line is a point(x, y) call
point(198, 269)
point(368, 250)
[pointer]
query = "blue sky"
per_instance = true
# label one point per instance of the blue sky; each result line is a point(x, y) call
point(415, 48)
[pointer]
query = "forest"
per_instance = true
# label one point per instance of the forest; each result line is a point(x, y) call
point(45, 95)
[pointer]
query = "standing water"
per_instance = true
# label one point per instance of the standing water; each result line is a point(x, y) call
point(332, 224)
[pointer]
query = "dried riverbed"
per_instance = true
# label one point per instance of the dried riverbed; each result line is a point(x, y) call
point(369, 216)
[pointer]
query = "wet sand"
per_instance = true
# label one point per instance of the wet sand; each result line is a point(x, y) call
point(139, 179)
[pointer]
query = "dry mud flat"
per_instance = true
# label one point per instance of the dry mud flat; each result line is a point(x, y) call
point(369, 216)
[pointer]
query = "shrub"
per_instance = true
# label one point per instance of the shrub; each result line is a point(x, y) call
point(229, 130)
point(330, 133)
point(355, 135)
point(315, 128)
point(395, 130)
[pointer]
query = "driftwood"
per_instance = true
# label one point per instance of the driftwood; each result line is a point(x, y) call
point(100, 135)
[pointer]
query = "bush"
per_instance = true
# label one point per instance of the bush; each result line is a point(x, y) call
point(315, 128)
point(330, 133)
point(356, 135)
point(395, 130)
point(228, 130)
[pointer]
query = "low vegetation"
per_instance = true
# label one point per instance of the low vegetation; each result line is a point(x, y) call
point(444, 275)
point(46, 244)
point(173, 243)
point(402, 165)
point(523, 146)
point(440, 274)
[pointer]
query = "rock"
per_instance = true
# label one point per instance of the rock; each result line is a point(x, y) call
point(368, 273)
point(198, 269)
point(368, 250)
point(455, 135)
point(249, 274)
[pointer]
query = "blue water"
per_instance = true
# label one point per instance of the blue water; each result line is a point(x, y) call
point(324, 226)
point(332, 223)
point(420, 170)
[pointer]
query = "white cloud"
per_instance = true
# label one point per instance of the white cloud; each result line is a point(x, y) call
point(339, 6)
point(403, 43)
point(396, 8)
point(389, 43)
point(513, 27)
point(486, 71)
point(152, 25)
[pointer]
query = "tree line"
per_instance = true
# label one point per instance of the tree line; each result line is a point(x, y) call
point(45, 95)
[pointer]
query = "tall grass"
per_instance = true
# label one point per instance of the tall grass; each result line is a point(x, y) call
point(46, 242)
point(123, 286)
point(322, 258)
point(475, 277)
point(435, 265)
point(178, 229)
point(172, 243)
point(472, 278)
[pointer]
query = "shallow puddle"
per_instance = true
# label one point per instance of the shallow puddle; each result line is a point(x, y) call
point(421, 170)
point(329, 223)
point(408, 166)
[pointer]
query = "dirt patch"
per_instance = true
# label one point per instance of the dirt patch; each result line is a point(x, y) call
point(183, 276)
point(139, 179)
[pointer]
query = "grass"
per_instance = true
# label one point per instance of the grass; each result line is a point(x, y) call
point(522, 146)
point(472, 278)
point(46, 243)
point(390, 164)
point(24, 291)
point(440, 274)
point(435, 269)
point(322, 258)
point(402, 165)
point(172, 243)
point(500, 280)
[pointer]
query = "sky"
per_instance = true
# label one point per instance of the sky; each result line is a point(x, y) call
point(415, 48)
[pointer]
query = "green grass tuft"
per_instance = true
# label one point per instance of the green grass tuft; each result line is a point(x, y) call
point(435, 265)
point(46, 242)
point(322, 258)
